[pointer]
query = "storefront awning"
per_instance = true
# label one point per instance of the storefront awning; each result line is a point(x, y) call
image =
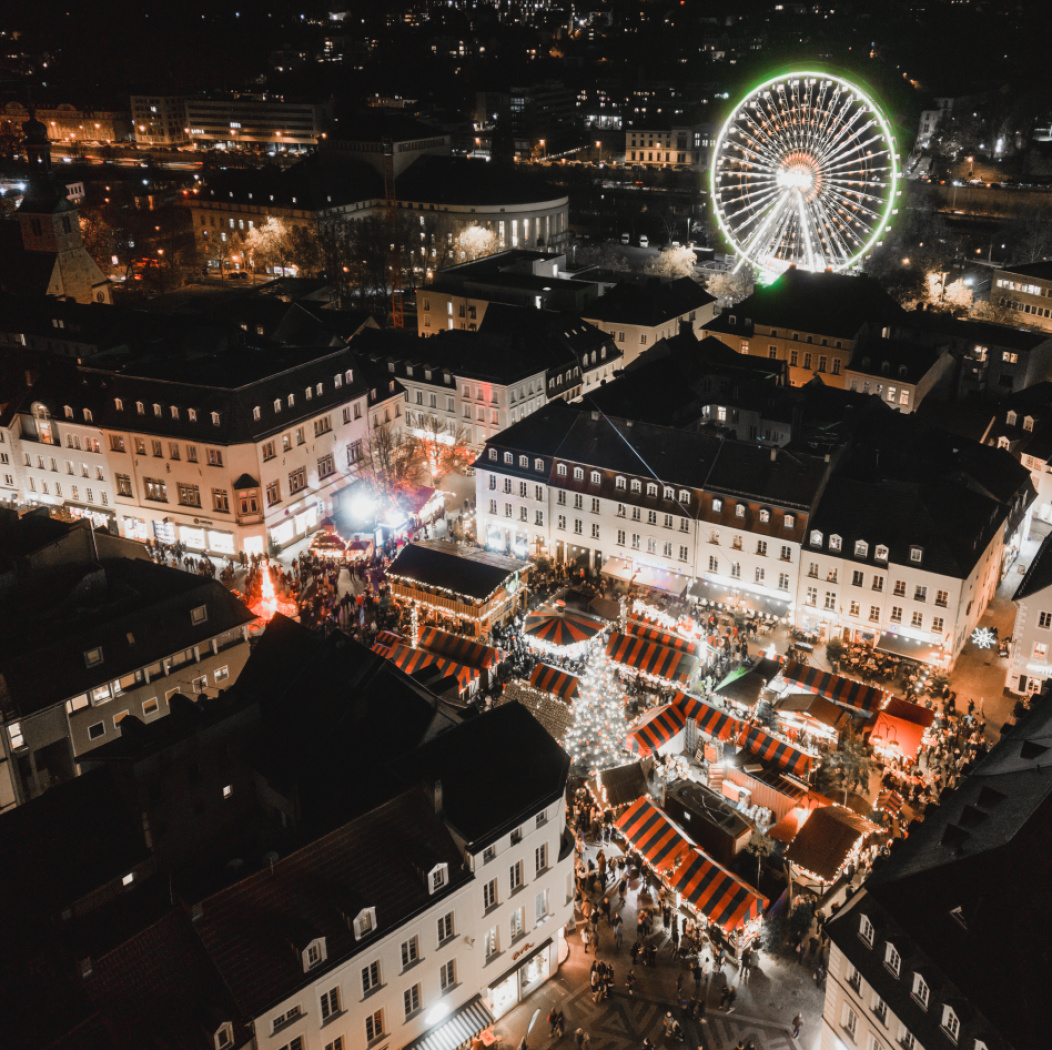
point(844, 691)
point(658, 839)
point(778, 752)
point(738, 600)
point(712, 721)
point(646, 575)
point(409, 660)
point(717, 894)
point(462, 1025)
point(910, 649)
point(654, 730)
point(642, 629)
point(458, 647)
point(650, 658)
point(559, 683)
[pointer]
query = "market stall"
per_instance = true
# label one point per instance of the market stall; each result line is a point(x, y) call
point(719, 897)
point(410, 660)
point(554, 628)
point(657, 839)
point(813, 716)
point(461, 584)
point(635, 573)
point(776, 751)
point(831, 838)
point(844, 691)
point(559, 683)
point(713, 722)
point(656, 730)
point(619, 786)
point(640, 657)
point(460, 648)
point(900, 729)
point(642, 629)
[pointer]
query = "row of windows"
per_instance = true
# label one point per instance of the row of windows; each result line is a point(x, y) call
point(213, 456)
point(880, 552)
point(46, 489)
point(920, 992)
point(52, 463)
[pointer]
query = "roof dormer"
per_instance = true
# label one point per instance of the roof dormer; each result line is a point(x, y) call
point(438, 878)
point(314, 954)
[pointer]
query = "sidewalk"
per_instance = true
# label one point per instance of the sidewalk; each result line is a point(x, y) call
point(777, 990)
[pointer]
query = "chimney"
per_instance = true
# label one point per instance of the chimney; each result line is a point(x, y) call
point(774, 453)
point(438, 797)
point(595, 416)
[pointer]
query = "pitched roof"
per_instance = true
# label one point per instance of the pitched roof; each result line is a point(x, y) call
point(462, 570)
point(135, 611)
point(255, 931)
point(533, 771)
point(826, 303)
point(1039, 575)
point(822, 845)
point(969, 881)
point(649, 305)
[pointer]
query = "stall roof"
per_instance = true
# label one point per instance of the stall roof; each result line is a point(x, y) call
point(712, 721)
point(458, 647)
point(654, 730)
point(623, 784)
point(909, 648)
point(645, 575)
point(649, 658)
point(743, 686)
point(657, 838)
point(816, 707)
point(552, 680)
point(745, 601)
point(642, 629)
point(844, 691)
point(459, 570)
point(778, 752)
point(560, 626)
point(822, 845)
point(902, 725)
point(717, 894)
point(412, 660)
point(554, 715)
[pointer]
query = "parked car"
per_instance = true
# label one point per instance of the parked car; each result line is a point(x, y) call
point(644, 241)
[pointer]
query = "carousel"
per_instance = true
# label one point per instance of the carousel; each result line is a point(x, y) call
point(556, 630)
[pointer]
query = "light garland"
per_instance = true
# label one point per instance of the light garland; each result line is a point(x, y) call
point(596, 739)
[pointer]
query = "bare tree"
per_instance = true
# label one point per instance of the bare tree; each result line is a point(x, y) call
point(441, 444)
point(730, 287)
point(391, 460)
point(674, 262)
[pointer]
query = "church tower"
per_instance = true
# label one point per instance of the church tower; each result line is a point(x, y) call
point(55, 258)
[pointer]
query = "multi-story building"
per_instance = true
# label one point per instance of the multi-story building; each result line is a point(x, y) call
point(637, 315)
point(1026, 290)
point(680, 146)
point(918, 953)
point(89, 641)
point(472, 385)
point(993, 359)
point(813, 321)
point(67, 124)
point(578, 486)
point(898, 372)
point(910, 566)
point(1029, 665)
point(234, 452)
point(256, 122)
point(159, 120)
point(459, 295)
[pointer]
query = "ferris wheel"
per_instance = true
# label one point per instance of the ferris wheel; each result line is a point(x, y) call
point(804, 172)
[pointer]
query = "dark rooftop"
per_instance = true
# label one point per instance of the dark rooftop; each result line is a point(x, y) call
point(533, 772)
point(822, 845)
point(459, 181)
point(460, 570)
point(650, 304)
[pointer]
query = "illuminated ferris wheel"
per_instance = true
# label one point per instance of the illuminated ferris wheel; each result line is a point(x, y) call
point(804, 172)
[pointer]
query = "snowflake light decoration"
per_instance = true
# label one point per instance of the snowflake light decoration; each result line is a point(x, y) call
point(984, 637)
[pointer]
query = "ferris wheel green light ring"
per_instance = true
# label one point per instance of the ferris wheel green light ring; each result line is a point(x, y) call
point(889, 144)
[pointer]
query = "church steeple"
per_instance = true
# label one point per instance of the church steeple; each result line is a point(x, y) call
point(38, 147)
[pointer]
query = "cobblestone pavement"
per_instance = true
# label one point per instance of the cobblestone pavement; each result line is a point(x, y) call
point(764, 1008)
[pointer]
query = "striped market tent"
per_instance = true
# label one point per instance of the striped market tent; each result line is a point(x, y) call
point(648, 658)
point(383, 650)
point(642, 629)
point(844, 691)
point(389, 638)
point(463, 650)
point(778, 752)
point(558, 626)
point(559, 683)
point(890, 801)
point(712, 721)
point(647, 830)
point(409, 660)
point(654, 730)
point(715, 893)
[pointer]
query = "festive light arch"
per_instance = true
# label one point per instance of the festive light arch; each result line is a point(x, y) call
point(805, 173)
